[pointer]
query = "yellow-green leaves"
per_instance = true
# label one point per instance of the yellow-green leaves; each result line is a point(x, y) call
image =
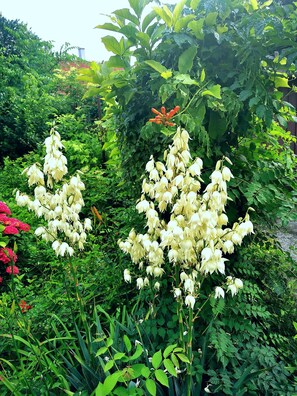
point(254, 4)
point(197, 28)
point(164, 72)
point(178, 11)
point(214, 91)
point(194, 4)
point(266, 4)
point(182, 22)
point(211, 18)
point(174, 19)
point(185, 79)
point(165, 14)
point(202, 76)
point(281, 82)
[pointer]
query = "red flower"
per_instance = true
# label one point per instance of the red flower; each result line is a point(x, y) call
point(12, 270)
point(163, 117)
point(11, 221)
point(4, 208)
point(1, 279)
point(23, 226)
point(7, 255)
point(24, 306)
point(10, 230)
point(4, 218)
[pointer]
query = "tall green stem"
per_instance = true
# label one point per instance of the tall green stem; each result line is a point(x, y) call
point(80, 303)
point(190, 351)
point(179, 310)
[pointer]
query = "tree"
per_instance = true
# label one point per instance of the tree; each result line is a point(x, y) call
point(225, 64)
point(32, 92)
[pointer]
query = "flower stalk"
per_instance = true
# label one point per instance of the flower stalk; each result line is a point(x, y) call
point(187, 233)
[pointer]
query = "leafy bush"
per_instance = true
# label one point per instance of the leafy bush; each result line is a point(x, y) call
point(214, 60)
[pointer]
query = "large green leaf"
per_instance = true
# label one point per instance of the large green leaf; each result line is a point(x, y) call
point(144, 39)
point(185, 61)
point(162, 377)
point(138, 6)
point(137, 353)
point(183, 22)
point(214, 91)
point(167, 90)
point(151, 387)
point(108, 26)
point(211, 18)
point(157, 359)
point(217, 126)
point(146, 372)
point(156, 66)
point(170, 367)
point(183, 357)
point(117, 62)
point(111, 44)
point(165, 14)
point(147, 20)
point(156, 32)
point(178, 11)
point(109, 365)
point(281, 82)
point(126, 14)
point(129, 31)
point(185, 79)
point(127, 343)
point(110, 382)
point(254, 4)
point(195, 4)
point(197, 28)
point(168, 350)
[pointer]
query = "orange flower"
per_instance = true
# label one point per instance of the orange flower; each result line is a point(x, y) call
point(163, 117)
point(24, 306)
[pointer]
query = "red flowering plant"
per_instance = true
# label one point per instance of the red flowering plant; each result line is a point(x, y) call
point(164, 118)
point(24, 306)
point(9, 226)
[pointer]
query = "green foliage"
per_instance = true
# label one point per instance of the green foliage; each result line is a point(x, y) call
point(31, 93)
point(253, 335)
point(225, 63)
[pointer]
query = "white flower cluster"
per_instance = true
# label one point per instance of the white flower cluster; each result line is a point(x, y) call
point(60, 208)
point(195, 237)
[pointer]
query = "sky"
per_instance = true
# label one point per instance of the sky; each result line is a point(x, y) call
point(71, 21)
